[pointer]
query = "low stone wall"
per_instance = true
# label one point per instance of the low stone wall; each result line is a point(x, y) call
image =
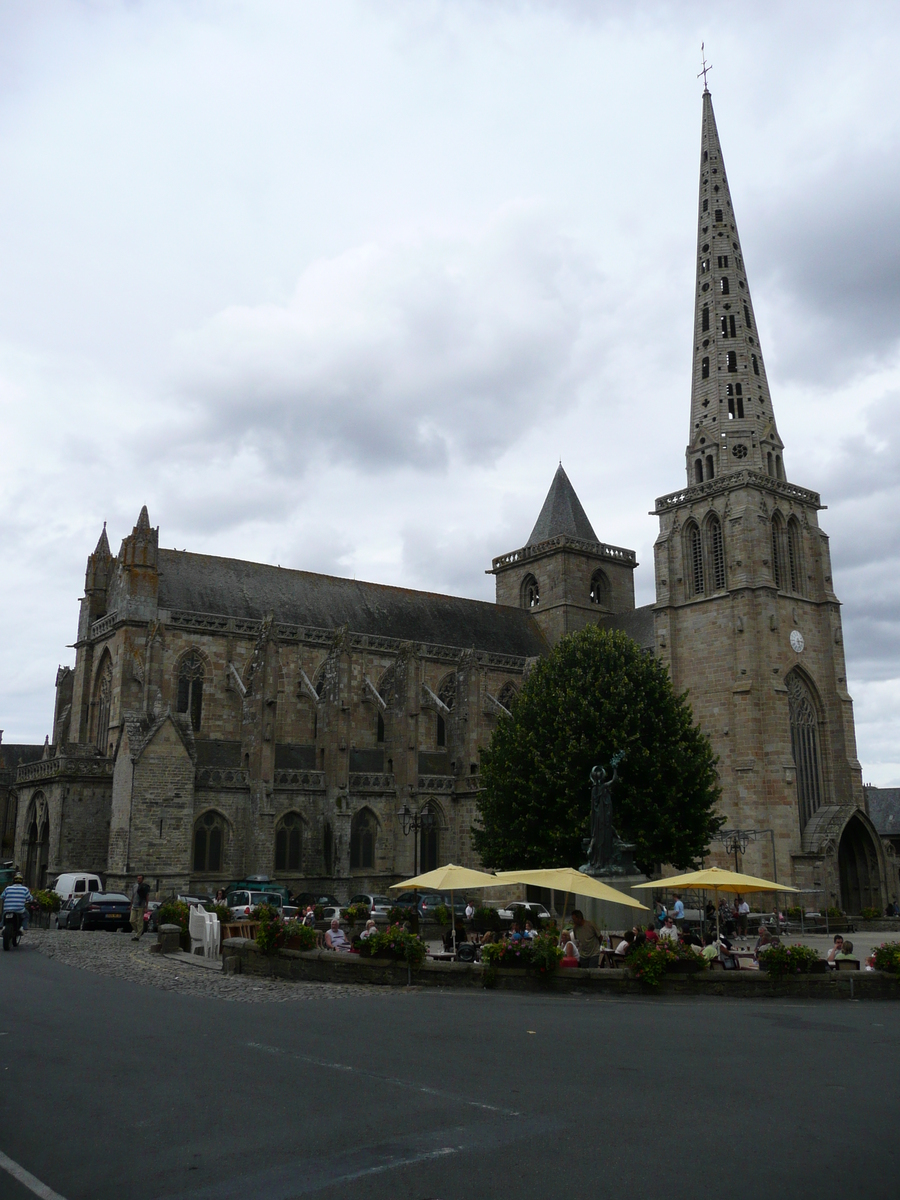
point(324, 966)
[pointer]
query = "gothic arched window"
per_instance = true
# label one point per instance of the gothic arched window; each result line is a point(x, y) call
point(600, 589)
point(447, 691)
point(430, 838)
point(190, 687)
point(795, 572)
point(209, 842)
point(363, 832)
point(805, 745)
point(698, 471)
point(289, 842)
point(778, 551)
point(508, 696)
point(693, 544)
point(102, 703)
point(716, 545)
point(37, 842)
point(531, 594)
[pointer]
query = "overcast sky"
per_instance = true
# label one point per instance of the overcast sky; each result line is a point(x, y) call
point(335, 285)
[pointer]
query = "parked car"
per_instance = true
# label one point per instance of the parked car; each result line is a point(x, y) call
point(259, 883)
point(429, 901)
point(65, 911)
point(76, 883)
point(243, 902)
point(407, 900)
point(101, 910)
point(524, 910)
point(378, 906)
point(302, 899)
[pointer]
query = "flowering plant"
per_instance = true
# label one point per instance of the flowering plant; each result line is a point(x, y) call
point(394, 942)
point(222, 911)
point(788, 960)
point(304, 936)
point(355, 913)
point(887, 957)
point(174, 912)
point(650, 961)
point(46, 901)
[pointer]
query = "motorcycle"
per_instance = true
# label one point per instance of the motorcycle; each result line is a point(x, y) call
point(12, 929)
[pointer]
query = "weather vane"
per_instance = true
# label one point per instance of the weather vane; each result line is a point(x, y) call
point(706, 67)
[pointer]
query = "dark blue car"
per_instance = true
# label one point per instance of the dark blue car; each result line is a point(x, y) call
point(101, 910)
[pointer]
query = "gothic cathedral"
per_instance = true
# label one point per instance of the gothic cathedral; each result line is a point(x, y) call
point(226, 718)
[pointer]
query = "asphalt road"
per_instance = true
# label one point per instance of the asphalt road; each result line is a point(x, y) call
point(116, 1091)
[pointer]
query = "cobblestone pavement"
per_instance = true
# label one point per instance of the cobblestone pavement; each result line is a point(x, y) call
point(117, 955)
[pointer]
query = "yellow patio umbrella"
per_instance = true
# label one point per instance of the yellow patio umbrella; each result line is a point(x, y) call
point(718, 880)
point(570, 881)
point(449, 879)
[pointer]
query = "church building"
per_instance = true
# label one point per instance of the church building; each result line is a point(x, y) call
point(226, 718)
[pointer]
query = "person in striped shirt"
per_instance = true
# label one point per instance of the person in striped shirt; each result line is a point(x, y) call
point(15, 897)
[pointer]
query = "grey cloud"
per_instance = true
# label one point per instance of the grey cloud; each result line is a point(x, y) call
point(405, 354)
point(831, 256)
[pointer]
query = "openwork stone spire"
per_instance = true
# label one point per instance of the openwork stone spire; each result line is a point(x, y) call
point(732, 422)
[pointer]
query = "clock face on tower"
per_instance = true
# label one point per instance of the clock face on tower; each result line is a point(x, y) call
point(797, 642)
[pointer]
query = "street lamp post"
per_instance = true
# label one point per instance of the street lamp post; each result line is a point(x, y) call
point(411, 822)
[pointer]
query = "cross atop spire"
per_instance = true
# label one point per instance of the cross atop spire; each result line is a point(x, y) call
point(705, 69)
point(732, 421)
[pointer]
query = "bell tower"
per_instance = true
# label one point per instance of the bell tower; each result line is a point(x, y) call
point(746, 617)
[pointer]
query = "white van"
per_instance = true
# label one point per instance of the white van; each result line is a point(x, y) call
point(76, 883)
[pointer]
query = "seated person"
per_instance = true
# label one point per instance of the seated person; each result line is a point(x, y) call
point(835, 949)
point(710, 949)
point(627, 941)
point(368, 931)
point(846, 951)
point(651, 935)
point(515, 933)
point(567, 943)
point(764, 939)
point(335, 938)
point(668, 930)
point(530, 931)
point(460, 937)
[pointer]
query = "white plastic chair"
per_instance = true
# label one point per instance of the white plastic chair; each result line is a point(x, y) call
point(213, 935)
point(197, 927)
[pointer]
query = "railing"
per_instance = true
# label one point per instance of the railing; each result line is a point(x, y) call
point(436, 783)
point(599, 549)
point(223, 777)
point(369, 781)
point(214, 623)
point(300, 779)
point(54, 768)
point(104, 625)
point(727, 483)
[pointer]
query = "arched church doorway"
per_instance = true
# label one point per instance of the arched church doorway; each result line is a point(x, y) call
point(37, 844)
point(858, 868)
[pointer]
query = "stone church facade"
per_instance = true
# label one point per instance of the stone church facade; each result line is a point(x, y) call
point(226, 718)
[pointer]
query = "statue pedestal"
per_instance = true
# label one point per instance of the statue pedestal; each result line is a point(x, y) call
point(616, 917)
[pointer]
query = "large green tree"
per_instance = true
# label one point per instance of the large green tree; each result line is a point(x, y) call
point(596, 693)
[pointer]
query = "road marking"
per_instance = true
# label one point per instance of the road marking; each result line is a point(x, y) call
point(403, 1083)
point(27, 1179)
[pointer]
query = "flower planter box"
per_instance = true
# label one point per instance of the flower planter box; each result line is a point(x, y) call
point(684, 966)
point(40, 920)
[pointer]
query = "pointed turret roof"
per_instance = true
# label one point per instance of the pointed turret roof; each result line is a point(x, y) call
point(562, 513)
point(102, 546)
point(732, 422)
point(143, 521)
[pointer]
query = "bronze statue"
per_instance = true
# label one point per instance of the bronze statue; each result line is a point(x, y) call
point(604, 849)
